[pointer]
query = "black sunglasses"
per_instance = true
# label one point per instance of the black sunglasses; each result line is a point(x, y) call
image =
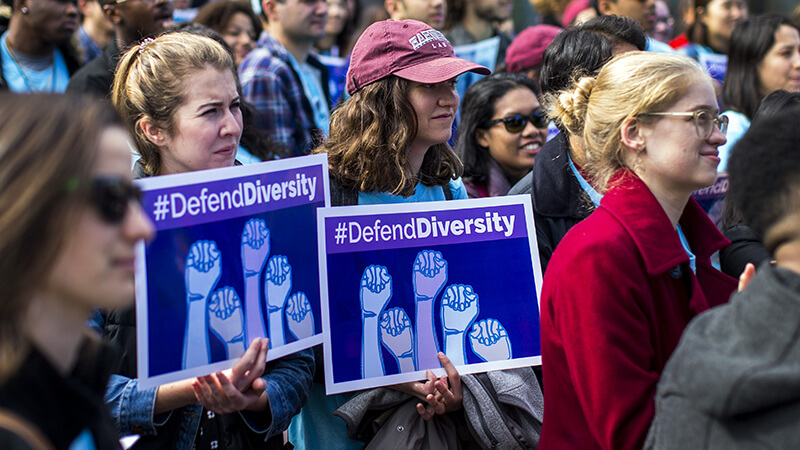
point(111, 196)
point(517, 123)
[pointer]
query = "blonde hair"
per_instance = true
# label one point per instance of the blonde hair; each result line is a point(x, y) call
point(631, 84)
point(150, 82)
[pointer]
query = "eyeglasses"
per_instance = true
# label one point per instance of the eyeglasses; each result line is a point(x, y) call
point(112, 195)
point(704, 121)
point(517, 123)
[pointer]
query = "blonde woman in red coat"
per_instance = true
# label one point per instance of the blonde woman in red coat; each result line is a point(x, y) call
point(624, 283)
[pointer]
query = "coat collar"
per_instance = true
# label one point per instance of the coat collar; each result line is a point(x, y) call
point(639, 213)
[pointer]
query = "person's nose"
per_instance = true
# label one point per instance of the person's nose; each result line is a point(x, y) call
point(231, 123)
point(717, 137)
point(137, 225)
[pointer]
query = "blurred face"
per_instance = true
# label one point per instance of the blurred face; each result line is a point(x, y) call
point(207, 127)
point(95, 267)
point(514, 151)
point(337, 17)
point(143, 18)
point(675, 160)
point(720, 16)
point(429, 11)
point(303, 20)
point(93, 13)
point(240, 36)
point(642, 11)
point(54, 21)
point(780, 68)
point(493, 10)
point(435, 106)
point(662, 28)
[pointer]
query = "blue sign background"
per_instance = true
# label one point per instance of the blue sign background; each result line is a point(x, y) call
point(486, 266)
point(292, 233)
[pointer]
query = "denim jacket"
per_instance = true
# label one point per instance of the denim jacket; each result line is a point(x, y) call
point(288, 381)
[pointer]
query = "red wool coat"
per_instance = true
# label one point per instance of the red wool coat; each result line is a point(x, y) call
point(615, 300)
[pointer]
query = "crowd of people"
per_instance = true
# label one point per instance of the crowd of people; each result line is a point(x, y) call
point(659, 327)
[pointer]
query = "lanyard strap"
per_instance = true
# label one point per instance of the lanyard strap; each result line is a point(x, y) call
point(593, 195)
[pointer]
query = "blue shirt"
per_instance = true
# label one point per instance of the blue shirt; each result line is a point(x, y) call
point(422, 193)
point(24, 80)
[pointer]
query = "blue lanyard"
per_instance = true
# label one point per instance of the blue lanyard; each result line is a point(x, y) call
point(685, 243)
point(593, 195)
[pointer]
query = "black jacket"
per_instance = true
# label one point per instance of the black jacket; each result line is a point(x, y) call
point(97, 76)
point(62, 407)
point(559, 202)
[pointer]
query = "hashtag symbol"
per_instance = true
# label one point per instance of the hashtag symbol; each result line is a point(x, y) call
point(161, 207)
point(341, 233)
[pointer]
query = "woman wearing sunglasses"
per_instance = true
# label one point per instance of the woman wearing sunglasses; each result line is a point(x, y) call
point(624, 283)
point(70, 219)
point(501, 131)
point(178, 95)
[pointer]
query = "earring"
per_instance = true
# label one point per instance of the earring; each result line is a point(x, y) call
point(24, 10)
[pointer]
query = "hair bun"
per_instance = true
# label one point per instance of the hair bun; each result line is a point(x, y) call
point(570, 106)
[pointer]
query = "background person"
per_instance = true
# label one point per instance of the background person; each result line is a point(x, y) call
point(71, 220)
point(502, 129)
point(624, 283)
point(185, 116)
point(708, 37)
point(764, 56)
point(235, 22)
point(35, 53)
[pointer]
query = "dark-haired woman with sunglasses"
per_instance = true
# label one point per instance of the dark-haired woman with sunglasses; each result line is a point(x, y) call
point(501, 131)
point(69, 222)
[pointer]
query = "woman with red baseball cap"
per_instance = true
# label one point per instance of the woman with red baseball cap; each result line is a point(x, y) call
point(388, 144)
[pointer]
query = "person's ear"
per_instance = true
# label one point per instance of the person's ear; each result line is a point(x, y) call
point(482, 137)
point(700, 15)
point(269, 8)
point(632, 136)
point(394, 8)
point(153, 133)
point(606, 7)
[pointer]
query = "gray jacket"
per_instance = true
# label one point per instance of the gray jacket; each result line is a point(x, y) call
point(502, 409)
point(734, 380)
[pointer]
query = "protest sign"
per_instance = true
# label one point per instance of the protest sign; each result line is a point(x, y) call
point(234, 258)
point(401, 282)
point(712, 198)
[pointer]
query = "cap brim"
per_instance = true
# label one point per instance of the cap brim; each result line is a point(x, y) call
point(440, 70)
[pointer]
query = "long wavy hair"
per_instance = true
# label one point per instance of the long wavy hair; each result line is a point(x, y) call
point(370, 135)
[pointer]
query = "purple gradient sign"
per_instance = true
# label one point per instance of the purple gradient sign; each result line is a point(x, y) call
point(402, 282)
point(234, 258)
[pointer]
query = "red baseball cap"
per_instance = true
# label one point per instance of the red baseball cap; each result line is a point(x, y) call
point(527, 49)
point(408, 49)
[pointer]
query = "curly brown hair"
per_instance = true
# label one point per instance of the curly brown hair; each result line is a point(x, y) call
point(370, 135)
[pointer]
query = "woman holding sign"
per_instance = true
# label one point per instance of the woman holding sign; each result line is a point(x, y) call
point(623, 283)
point(388, 144)
point(70, 220)
point(179, 97)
